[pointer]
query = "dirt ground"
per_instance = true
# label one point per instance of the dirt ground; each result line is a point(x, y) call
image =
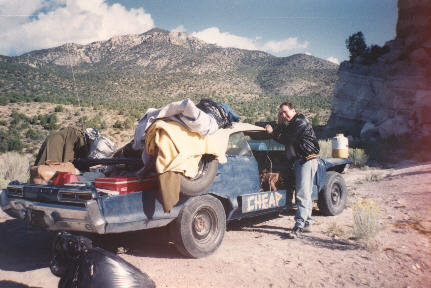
point(256, 253)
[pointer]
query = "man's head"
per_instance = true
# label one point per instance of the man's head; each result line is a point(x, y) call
point(287, 111)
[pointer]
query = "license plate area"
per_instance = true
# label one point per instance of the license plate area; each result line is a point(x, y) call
point(36, 218)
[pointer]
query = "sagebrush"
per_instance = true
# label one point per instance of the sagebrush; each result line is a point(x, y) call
point(358, 156)
point(365, 219)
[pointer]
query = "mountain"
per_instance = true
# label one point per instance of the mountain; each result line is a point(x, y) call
point(158, 67)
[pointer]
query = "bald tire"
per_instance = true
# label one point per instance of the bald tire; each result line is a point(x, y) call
point(199, 228)
point(206, 173)
point(333, 197)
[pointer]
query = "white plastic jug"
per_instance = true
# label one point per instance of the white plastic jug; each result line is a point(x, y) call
point(340, 146)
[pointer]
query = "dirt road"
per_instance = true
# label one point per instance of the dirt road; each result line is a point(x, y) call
point(257, 253)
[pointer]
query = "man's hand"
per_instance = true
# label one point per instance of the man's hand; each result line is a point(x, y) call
point(269, 129)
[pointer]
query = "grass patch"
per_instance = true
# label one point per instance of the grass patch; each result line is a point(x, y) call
point(325, 148)
point(13, 166)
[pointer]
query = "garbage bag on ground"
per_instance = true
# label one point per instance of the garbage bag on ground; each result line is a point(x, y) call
point(79, 264)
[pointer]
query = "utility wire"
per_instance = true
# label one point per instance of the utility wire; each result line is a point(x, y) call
point(74, 84)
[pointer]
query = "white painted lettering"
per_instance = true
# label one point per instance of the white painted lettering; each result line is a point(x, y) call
point(257, 202)
point(264, 201)
point(271, 202)
point(250, 207)
point(278, 197)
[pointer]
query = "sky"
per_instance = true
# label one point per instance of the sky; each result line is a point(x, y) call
point(279, 27)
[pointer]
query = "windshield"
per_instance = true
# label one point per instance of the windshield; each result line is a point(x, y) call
point(261, 141)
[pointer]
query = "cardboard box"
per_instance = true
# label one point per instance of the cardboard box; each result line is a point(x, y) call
point(126, 185)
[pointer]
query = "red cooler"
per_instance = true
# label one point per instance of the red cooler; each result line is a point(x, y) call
point(126, 185)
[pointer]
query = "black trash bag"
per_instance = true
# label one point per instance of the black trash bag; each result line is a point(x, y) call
point(83, 266)
point(216, 111)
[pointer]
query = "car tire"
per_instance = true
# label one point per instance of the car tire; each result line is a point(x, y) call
point(199, 228)
point(333, 197)
point(206, 173)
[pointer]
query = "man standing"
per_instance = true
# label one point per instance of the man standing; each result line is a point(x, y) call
point(302, 148)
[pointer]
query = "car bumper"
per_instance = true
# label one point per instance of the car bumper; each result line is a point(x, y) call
point(55, 217)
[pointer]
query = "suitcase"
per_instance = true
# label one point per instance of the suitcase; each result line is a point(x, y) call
point(124, 185)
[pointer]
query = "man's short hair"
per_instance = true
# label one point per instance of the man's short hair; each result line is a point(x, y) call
point(288, 104)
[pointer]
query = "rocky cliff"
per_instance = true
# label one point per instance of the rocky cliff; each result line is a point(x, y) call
point(391, 97)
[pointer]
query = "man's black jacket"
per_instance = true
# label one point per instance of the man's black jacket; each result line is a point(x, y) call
point(298, 134)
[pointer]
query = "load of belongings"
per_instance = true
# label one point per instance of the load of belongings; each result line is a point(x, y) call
point(177, 150)
point(59, 151)
point(175, 145)
point(170, 142)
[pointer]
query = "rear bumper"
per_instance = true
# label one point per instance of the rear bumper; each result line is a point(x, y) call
point(55, 217)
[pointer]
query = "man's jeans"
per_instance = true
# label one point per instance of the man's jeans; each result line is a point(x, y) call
point(304, 179)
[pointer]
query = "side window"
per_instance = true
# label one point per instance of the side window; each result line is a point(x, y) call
point(238, 145)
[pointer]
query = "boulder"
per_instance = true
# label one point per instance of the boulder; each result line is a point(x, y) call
point(369, 131)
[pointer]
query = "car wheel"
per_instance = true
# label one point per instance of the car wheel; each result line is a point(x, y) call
point(199, 228)
point(333, 196)
point(206, 173)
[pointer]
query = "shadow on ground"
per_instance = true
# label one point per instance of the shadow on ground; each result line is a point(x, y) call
point(12, 284)
point(22, 250)
point(153, 243)
point(333, 244)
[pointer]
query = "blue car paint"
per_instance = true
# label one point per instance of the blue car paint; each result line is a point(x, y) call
point(238, 177)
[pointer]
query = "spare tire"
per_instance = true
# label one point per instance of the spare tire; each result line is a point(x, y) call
point(199, 184)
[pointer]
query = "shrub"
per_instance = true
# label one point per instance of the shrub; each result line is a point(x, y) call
point(325, 148)
point(373, 177)
point(33, 134)
point(10, 140)
point(358, 156)
point(49, 121)
point(59, 108)
point(365, 219)
point(118, 124)
point(13, 166)
point(316, 121)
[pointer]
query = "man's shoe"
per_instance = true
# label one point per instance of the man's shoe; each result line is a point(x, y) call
point(296, 233)
point(307, 228)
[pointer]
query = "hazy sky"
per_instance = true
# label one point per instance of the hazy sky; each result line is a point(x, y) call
point(279, 27)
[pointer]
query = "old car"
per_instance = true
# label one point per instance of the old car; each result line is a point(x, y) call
point(197, 223)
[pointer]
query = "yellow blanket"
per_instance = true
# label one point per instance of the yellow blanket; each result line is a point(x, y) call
point(178, 149)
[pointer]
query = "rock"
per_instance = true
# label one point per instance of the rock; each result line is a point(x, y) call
point(391, 97)
point(420, 56)
point(369, 130)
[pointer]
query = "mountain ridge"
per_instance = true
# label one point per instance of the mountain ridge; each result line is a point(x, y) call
point(159, 66)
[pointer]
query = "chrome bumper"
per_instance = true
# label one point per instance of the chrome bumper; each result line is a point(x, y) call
point(55, 217)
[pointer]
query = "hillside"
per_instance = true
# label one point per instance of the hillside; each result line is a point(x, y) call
point(135, 72)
